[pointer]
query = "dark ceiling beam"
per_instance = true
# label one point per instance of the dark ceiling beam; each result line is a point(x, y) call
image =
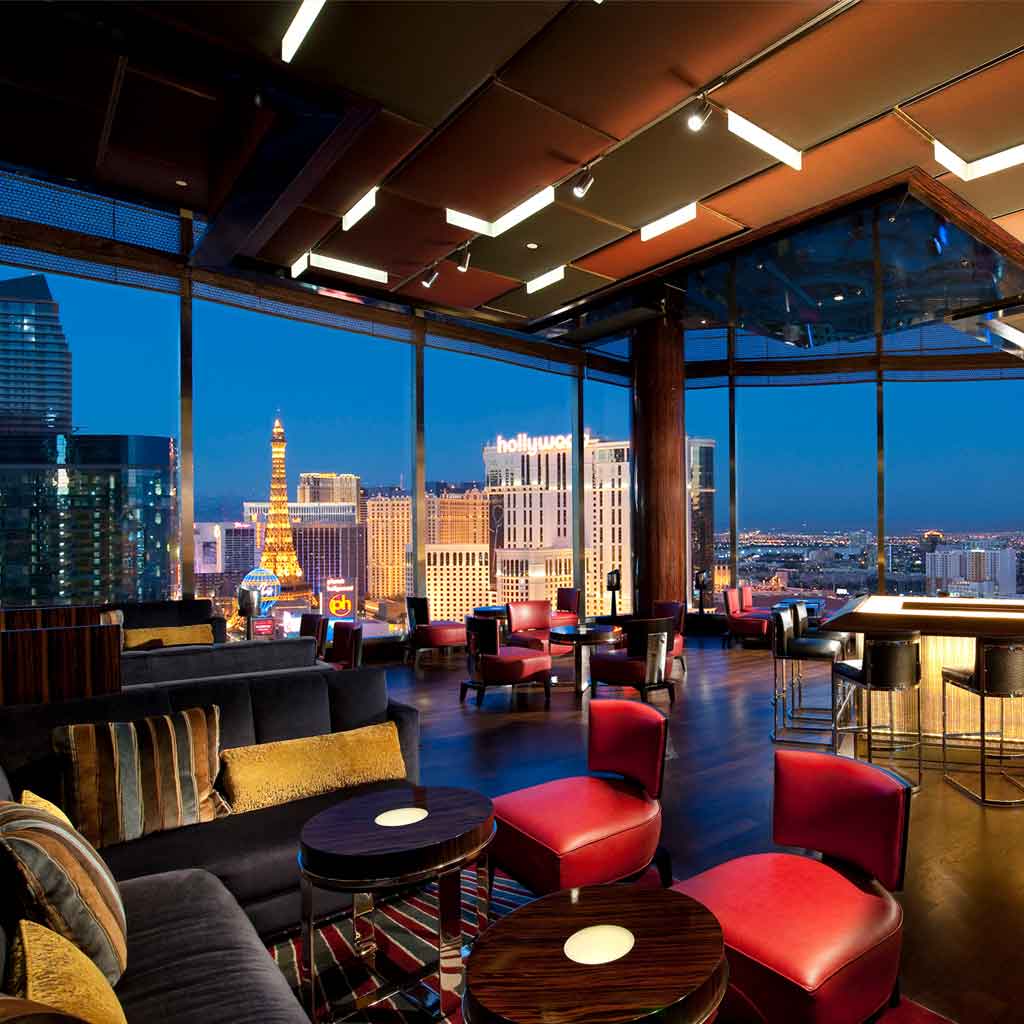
point(108, 116)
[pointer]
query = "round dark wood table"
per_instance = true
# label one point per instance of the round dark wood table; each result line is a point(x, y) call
point(603, 954)
point(581, 639)
point(387, 839)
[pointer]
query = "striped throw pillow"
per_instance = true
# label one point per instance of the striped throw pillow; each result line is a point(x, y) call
point(123, 780)
point(65, 885)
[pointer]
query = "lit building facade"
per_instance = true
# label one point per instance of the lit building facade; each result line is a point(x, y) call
point(700, 453)
point(388, 535)
point(303, 511)
point(458, 579)
point(328, 488)
point(329, 551)
point(971, 572)
point(458, 517)
point(224, 553)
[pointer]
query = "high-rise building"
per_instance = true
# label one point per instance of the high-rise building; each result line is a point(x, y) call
point(458, 517)
point(342, 488)
point(458, 579)
point(303, 511)
point(329, 551)
point(701, 476)
point(224, 553)
point(971, 572)
point(35, 361)
point(388, 535)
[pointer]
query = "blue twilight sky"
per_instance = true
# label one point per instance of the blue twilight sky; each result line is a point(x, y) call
point(806, 454)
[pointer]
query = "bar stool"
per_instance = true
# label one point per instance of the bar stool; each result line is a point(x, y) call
point(803, 630)
point(790, 650)
point(891, 664)
point(998, 672)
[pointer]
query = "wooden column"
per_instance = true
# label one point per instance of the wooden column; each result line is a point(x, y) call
point(659, 440)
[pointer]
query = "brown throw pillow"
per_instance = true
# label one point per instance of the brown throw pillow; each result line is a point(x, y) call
point(276, 773)
point(123, 780)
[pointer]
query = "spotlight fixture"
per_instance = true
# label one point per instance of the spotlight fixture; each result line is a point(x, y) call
point(968, 170)
point(581, 186)
point(532, 245)
point(756, 136)
point(428, 281)
point(181, 182)
point(700, 111)
point(464, 262)
point(301, 24)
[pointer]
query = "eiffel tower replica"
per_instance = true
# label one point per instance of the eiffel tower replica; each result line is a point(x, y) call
point(278, 545)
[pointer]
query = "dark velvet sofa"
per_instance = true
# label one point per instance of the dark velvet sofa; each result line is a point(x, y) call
point(201, 900)
point(196, 611)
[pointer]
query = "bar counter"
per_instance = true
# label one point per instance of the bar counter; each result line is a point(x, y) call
point(949, 627)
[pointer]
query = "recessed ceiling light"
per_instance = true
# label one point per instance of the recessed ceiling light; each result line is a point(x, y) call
point(750, 132)
point(312, 259)
point(671, 220)
point(532, 245)
point(301, 24)
point(700, 111)
point(181, 182)
point(514, 216)
point(359, 210)
point(703, 321)
point(838, 297)
point(968, 170)
point(551, 277)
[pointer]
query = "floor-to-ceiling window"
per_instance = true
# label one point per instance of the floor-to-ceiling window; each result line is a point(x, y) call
point(88, 441)
point(343, 403)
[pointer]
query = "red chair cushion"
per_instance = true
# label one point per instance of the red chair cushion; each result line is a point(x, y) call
point(513, 665)
point(538, 640)
point(528, 615)
point(440, 634)
point(561, 618)
point(806, 945)
point(744, 626)
point(618, 668)
point(677, 646)
point(746, 599)
point(574, 832)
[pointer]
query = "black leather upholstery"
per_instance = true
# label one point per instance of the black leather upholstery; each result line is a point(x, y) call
point(813, 648)
point(852, 670)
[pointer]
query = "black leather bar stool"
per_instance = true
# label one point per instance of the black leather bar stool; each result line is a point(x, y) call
point(801, 630)
point(892, 665)
point(789, 650)
point(998, 672)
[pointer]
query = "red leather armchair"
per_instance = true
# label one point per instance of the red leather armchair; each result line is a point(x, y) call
point(491, 664)
point(529, 625)
point(816, 941)
point(314, 625)
point(639, 664)
point(425, 634)
point(346, 650)
point(586, 830)
point(744, 625)
point(567, 607)
point(676, 611)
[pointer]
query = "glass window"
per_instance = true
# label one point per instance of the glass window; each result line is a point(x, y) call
point(88, 441)
point(341, 453)
point(499, 481)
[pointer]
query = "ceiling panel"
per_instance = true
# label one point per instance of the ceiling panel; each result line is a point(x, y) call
point(454, 288)
point(299, 233)
point(379, 147)
point(397, 235)
point(617, 66)
point(521, 303)
point(620, 259)
point(980, 115)
point(665, 168)
point(561, 233)
point(857, 158)
point(1014, 223)
point(873, 56)
point(995, 195)
point(497, 152)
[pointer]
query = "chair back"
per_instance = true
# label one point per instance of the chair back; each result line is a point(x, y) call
point(674, 610)
point(347, 644)
point(732, 601)
point(417, 612)
point(1000, 667)
point(629, 739)
point(314, 625)
point(848, 810)
point(481, 636)
point(746, 598)
point(782, 632)
point(568, 600)
point(800, 627)
point(651, 640)
point(892, 663)
point(523, 615)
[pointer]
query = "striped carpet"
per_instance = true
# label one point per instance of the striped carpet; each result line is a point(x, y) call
point(405, 933)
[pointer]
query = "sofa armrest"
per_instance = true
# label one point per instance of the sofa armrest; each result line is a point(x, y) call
point(407, 720)
point(6, 793)
point(220, 629)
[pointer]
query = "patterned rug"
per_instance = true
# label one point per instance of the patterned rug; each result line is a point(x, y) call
point(405, 933)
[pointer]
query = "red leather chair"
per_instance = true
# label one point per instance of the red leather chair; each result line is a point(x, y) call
point(490, 664)
point(567, 607)
point(314, 625)
point(637, 665)
point(529, 625)
point(586, 830)
point(426, 635)
point(816, 941)
point(346, 650)
point(744, 625)
point(676, 611)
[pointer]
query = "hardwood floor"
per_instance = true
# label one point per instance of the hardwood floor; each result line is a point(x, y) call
point(964, 900)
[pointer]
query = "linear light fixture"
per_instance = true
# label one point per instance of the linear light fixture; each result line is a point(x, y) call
point(545, 197)
point(301, 24)
point(360, 210)
point(671, 220)
point(750, 132)
point(312, 259)
point(968, 170)
point(551, 277)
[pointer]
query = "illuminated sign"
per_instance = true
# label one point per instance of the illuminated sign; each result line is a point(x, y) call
point(338, 598)
point(262, 627)
point(543, 443)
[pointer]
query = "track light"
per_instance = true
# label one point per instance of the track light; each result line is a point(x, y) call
point(464, 262)
point(429, 280)
point(700, 111)
point(581, 186)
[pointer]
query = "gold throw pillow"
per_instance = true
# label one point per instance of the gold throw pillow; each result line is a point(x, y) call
point(269, 774)
point(46, 968)
point(29, 799)
point(172, 636)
